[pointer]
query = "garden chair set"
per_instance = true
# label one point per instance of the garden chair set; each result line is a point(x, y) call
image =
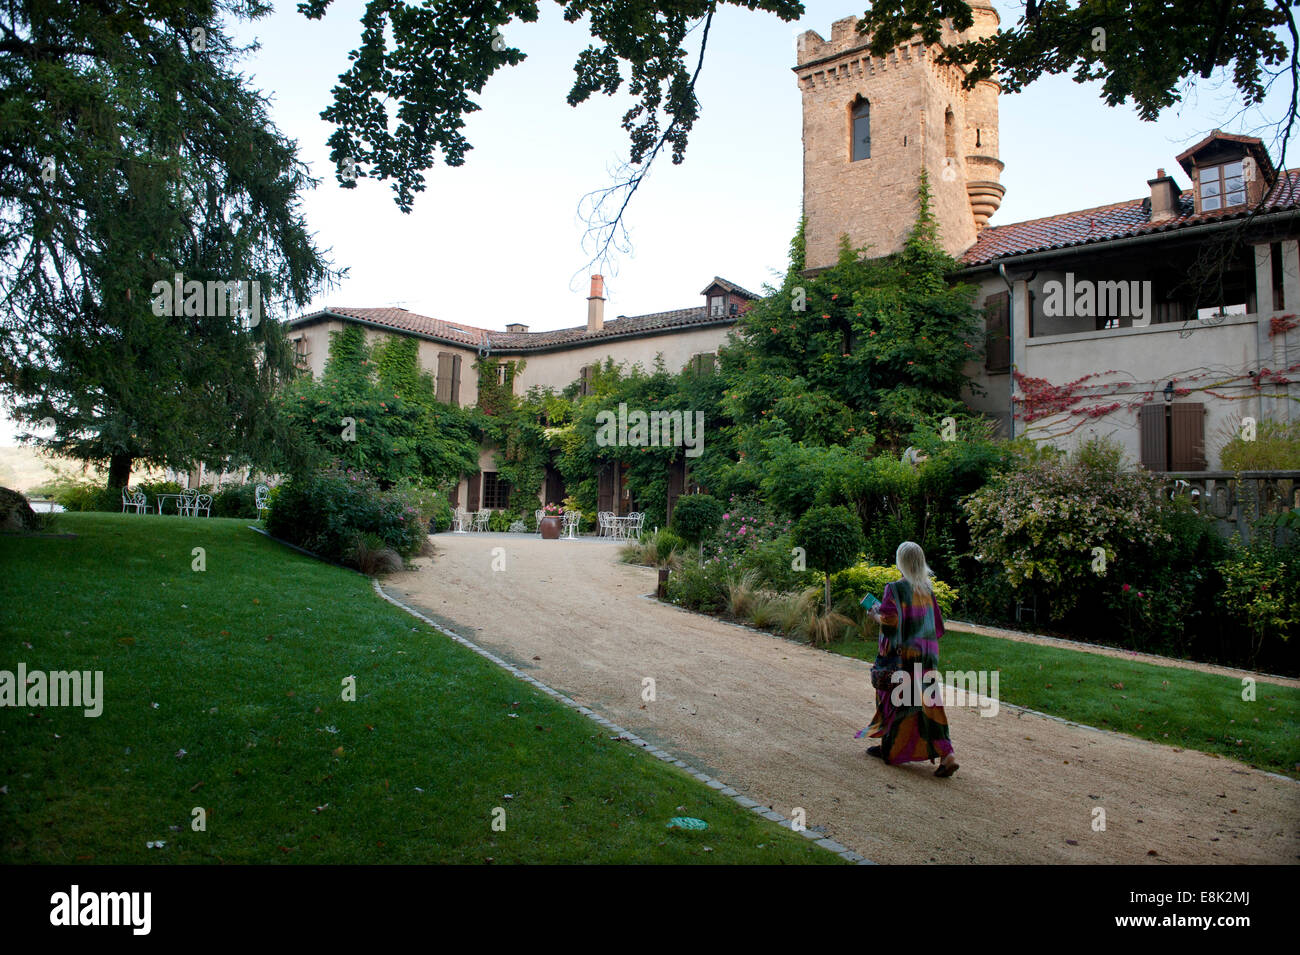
point(463, 521)
point(627, 527)
point(189, 503)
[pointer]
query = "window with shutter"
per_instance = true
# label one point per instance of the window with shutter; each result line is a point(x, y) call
point(1187, 441)
point(475, 480)
point(997, 349)
point(1151, 427)
point(455, 380)
point(584, 375)
point(444, 377)
point(496, 492)
point(605, 488)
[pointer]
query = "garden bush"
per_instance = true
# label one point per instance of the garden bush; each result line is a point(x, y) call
point(332, 513)
point(1041, 523)
point(832, 540)
point(235, 500)
point(862, 579)
point(696, 517)
point(699, 586)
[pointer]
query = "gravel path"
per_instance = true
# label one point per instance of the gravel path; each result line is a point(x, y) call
point(776, 721)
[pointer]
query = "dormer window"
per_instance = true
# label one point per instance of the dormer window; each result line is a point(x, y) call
point(1222, 186)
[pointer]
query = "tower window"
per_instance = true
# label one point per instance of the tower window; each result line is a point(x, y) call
point(949, 135)
point(861, 124)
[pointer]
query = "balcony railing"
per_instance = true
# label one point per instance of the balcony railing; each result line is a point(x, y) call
point(1235, 501)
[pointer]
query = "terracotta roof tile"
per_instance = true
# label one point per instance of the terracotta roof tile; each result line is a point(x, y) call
point(471, 336)
point(1119, 220)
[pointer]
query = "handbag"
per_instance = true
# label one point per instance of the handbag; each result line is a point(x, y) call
point(882, 677)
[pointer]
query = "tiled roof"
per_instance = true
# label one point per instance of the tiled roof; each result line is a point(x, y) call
point(1120, 220)
point(728, 287)
point(473, 337)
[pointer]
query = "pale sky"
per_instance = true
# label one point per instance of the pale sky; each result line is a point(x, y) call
point(499, 239)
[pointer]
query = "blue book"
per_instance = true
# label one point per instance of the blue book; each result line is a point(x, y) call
point(870, 602)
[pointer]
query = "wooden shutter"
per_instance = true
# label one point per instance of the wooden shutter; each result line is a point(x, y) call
point(454, 496)
point(475, 480)
point(676, 483)
point(997, 348)
point(584, 376)
point(605, 491)
point(1187, 420)
point(1151, 425)
point(455, 380)
point(444, 377)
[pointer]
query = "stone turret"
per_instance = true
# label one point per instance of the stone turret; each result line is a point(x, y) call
point(872, 124)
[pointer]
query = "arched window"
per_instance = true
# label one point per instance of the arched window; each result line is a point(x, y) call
point(949, 135)
point(860, 123)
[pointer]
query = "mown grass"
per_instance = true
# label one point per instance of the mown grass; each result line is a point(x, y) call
point(1170, 705)
point(223, 690)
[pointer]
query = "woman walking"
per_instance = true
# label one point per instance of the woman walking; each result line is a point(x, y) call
point(910, 722)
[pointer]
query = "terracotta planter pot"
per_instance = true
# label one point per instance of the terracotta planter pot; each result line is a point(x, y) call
point(550, 528)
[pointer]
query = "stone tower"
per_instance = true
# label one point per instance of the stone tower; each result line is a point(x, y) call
point(871, 124)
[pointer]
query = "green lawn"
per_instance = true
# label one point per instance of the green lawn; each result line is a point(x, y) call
point(1169, 705)
point(222, 690)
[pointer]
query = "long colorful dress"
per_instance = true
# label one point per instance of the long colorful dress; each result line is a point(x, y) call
point(910, 627)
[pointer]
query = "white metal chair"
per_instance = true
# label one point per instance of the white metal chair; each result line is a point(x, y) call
point(261, 496)
point(605, 527)
point(461, 521)
point(185, 505)
point(635, 521)
point(572, 520)
point(201, 502)
point(134, 500)
point(481, 520)
point(538, 515)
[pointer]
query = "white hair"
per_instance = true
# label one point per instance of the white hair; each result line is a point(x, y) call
point(910, 560)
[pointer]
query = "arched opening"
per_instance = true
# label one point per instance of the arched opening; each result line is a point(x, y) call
point(860, 129)
point(949, 134)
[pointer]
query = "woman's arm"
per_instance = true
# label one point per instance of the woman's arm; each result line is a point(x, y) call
point(938, 615)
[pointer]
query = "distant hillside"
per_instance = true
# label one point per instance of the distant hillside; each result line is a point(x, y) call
point(23, 467)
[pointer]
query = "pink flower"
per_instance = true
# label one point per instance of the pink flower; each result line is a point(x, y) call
point(1127, 588)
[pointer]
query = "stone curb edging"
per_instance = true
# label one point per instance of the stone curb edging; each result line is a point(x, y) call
point(817, 838)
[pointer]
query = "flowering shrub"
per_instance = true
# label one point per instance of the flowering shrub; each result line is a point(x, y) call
point(862, 579)
point(1041, 523)
point(746, 525)
point(330, 511)
point(1261, 585)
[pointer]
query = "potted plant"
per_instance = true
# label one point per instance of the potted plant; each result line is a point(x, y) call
point(551, 518)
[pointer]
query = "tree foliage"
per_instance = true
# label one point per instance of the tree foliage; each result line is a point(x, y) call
point(1139, 49)
point(135, 152)
point(374, 410)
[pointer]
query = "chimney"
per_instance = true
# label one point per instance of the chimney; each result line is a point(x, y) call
point(1164, 197)
point(596, 305)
